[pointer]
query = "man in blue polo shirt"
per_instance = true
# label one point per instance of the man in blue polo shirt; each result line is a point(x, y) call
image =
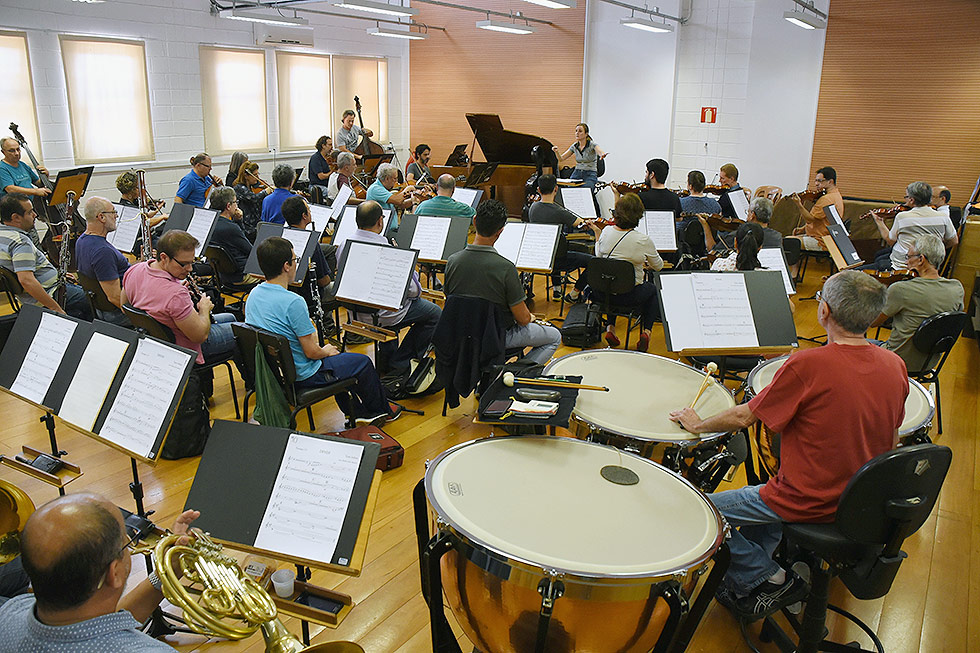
point(443, 203)
point(283, 177)
point(98, 259)
point(15, 175)
point(196, 185)
point(381, 191)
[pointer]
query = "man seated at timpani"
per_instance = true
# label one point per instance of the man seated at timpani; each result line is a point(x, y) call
point(837, 407)
point(75, 550)
point(271, 306)
point(418, 313)
point(341, 177)
point(229, 235)
point(817, 219)
point(443, 204)
point(546, 211)
point(920, 219)
point(283, 177)
point(418, 171)
point(20, 253)
point(383, 191)
point(910, 302)
point(479, 271)
point(349, 134)
point(760, 211)
point(97, 259)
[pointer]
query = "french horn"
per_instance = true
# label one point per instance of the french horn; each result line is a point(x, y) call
point(15, 508)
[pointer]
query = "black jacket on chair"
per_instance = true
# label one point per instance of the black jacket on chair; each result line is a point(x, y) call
point(467, 340)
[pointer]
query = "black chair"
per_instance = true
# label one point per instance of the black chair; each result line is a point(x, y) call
point(146, 323)
point(224, 269)
point(885, 502)
point(280, 359)
point(11, 288)
point(692, 239)
point(935, 337)
point(805, 256)
point(96, 295)
point(610, 277)
point(793, 249)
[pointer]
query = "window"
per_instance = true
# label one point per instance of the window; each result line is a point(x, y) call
point(304, 99)
point(17, 90)
point(108, 99)
point(233, 98)
point(368, 80)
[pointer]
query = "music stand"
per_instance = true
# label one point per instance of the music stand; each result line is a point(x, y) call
point(841, 248)
point(458, 158)
point(480, 174)
point(74, 180)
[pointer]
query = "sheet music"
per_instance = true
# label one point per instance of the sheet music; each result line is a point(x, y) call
point(430, 237)
point(466, 195)
point(578, 201)
point(739, 203)
point(310, 498)
point(321, 216)
point(92, 380)
point(538, 247)
point(376, 274)
point(200, 227)
point(128, 225)
point(659, 226)
point(340, 201)
point(724, 312)
point(348, 225)
point(772, 259)
point(299, 239)
point(140, 408)
point(43, 357)
point(831, 210)
point(509, 243)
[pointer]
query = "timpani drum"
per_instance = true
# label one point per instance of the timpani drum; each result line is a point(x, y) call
point(643, 389)
point(561, 545)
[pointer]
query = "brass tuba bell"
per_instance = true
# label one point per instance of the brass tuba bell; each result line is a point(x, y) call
point(218, 599)
point(15, 508)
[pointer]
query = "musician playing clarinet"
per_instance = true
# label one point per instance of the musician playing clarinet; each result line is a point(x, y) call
point(15, 175)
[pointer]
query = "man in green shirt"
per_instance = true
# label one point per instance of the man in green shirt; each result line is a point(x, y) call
point(443, 204)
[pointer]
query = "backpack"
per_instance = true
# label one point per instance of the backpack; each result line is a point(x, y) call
point(192, 423)
point(582, 327)
point(420, 381)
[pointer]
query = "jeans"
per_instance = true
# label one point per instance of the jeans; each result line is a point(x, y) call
point(367, 397)
point(77, 303)
point(543, 339)
point(221, 339)
point(588, 177)
point(571, 261)
point(756, 531)
point(113, 317)
point(422, 318)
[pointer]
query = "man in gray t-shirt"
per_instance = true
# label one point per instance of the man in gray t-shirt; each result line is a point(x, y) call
point(349, 134)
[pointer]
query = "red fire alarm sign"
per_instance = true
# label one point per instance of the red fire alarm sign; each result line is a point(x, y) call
point(709, 114)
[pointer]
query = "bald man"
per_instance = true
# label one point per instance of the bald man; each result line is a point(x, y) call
point(98, 259)
point(75, 550)
point(443, 203)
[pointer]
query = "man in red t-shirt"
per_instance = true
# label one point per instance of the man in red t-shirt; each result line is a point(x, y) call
point(837, 407)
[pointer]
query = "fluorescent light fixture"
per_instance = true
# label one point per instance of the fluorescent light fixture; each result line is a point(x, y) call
point(270, 19)
point(646, 24)
point(508, 28)
point(397, 34)
point(377, 8)
point(554, 4)
point(806, 21)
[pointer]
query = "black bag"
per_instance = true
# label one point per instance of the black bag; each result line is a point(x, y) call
point(192, 423)
point(419, 381)
point(582, 327)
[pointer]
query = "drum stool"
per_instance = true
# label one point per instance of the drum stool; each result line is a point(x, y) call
point(886, 501)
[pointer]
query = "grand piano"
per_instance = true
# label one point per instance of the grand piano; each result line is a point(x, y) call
point(510, 150)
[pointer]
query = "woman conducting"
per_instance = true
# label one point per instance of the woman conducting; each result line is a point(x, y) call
point(587, 155)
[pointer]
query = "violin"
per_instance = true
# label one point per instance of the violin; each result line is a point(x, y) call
point(423, 192)
point(888, 277)
point(623, 187)
point(717, 221)
point(886, 212)
point(811, 195)
point(717, 189)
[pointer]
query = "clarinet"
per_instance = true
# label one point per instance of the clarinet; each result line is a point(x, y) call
point(317, 308)
point(195, 290)
point(64, 253)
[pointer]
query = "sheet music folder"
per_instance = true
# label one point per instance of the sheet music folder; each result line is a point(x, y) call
point(772, 317)
point(181, 216)
point(14, 353)
point(374, 275)
point(841, 248)
point(268, 230)
point(233, 504)
point(455, 240)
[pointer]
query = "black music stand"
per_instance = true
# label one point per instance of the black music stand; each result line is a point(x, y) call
point(458, 158)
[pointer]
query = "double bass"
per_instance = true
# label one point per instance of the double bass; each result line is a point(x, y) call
point(366, 146)
point(50, 214)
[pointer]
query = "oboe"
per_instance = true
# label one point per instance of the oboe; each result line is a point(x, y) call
point(64, 253)
point(195, 290)
point(317, 307)
point(146, 253)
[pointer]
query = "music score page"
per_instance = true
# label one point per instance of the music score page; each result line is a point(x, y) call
point(299, 238)
point(310, 498)
point(772, 259)
point(430, 237)
point(43, 357)
point(92, 380)
point(579, 201)
point(659, 226)
point(200, 227)
point(375, 275)
point(128, 224)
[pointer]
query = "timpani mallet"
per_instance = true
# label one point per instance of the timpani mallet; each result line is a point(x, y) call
point(510, 379)
point(710, 369)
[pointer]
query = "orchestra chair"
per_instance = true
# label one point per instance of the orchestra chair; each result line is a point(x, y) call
point(610, 277)
point(147, 324)
point(885, 502)
point(805, 256)
point(96, 296)
point(279, 357)
point(692, 239)
point(949, 260)
point(224, 268)
point(11, 288)
point(936, 337)
point(772, 193)
point(793, 249)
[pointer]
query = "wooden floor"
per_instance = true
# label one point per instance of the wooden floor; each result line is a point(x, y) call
point(934, 604)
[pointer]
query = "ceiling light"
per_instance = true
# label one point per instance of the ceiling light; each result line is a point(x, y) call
point(554, 4)
point(270, 19)
point(806, 21)
point(90, 2)
point(377, 8)
point(508, 28)
point(397, 34)
point(646, 24)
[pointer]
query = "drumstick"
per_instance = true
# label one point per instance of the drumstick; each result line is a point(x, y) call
point(710, 369)
point(510, 379)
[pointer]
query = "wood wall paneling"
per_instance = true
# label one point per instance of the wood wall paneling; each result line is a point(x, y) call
point(899, 95)
point(534, 82)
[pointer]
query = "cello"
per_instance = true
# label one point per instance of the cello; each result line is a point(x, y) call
point(366, 146)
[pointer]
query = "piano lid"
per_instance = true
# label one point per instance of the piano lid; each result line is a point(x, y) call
point(500, 145)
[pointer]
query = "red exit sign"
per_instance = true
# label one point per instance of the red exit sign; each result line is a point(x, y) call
point(709, 114)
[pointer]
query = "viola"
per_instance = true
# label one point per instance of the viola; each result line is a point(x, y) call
point(717, 221)
point(888, 277)
point(811, 195)
point(423, 192)
point(886, 212)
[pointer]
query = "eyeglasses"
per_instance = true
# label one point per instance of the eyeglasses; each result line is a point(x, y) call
point(818, 296)
point(112, 212)
point(183, 264)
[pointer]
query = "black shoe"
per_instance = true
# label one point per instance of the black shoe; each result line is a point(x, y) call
point(726, 597)
point(769, 598)
point(556, 293)
point(355, 339)
point(578, 299)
